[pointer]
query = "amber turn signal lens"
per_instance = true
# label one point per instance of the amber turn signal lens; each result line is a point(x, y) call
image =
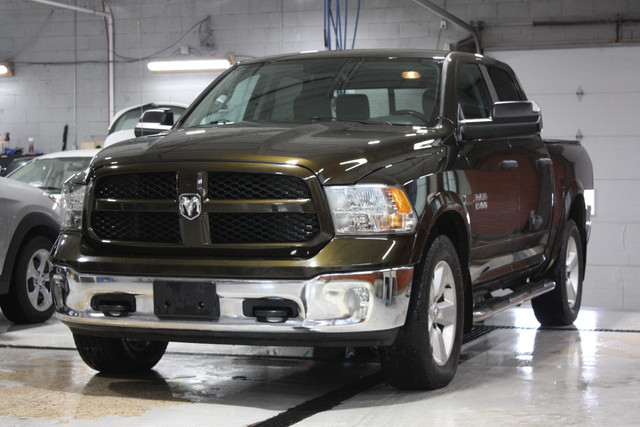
point(404, 277)
point(402, 203)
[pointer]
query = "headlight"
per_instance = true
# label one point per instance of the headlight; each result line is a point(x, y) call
point(364, 209)
point(72, 203)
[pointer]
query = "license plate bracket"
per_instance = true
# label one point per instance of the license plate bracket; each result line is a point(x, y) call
point(175, 300)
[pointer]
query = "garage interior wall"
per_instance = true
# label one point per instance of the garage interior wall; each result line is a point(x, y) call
point(593, 93)
point(587, 85)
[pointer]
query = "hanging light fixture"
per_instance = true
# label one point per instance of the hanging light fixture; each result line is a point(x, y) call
point(6, 69)
point(189, 65)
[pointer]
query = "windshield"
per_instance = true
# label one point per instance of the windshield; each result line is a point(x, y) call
point(49, 174)
point(16, 163)
point(382, 90)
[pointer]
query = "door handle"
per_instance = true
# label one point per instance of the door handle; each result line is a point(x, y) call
point(509, 165)
point(544, 161)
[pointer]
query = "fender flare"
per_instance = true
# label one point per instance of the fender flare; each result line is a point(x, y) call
point(35, 223)
point(574, 190)
point(444, 208)
point(443, 203)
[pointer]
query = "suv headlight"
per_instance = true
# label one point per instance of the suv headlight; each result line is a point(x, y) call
point(365, 209)
point(72, 206)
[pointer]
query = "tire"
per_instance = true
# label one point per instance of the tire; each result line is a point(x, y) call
point(29, 299)
point(426, 351)
point(117, 355)
point(560, 307)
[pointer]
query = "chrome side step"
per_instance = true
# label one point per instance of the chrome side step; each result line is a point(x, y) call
point(495, 305)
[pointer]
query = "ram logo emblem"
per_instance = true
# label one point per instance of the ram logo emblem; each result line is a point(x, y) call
point(190, 205)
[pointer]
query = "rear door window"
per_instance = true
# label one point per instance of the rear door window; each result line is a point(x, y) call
point(504, 85)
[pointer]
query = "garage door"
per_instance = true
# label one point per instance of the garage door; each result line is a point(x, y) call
point(594, 93)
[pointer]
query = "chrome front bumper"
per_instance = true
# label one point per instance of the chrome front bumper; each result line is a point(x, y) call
point(357, 303)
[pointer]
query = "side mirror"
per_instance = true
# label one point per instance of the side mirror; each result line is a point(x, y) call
point(508, 119)
point(154, 121)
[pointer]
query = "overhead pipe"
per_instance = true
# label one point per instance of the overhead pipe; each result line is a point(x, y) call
point(618, 21)
point(110, 38)
point(453, 19)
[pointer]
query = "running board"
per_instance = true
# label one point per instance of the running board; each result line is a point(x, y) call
point(495, 305)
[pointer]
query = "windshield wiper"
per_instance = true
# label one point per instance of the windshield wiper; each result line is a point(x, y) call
point(316, 119)
point(220, 122)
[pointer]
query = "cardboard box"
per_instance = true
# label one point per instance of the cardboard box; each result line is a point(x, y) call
point(87, 145)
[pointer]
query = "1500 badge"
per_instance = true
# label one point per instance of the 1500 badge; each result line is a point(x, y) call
point(479, 201)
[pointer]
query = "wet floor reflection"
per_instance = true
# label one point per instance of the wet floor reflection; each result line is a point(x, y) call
point(61, 387)
point(587, 374)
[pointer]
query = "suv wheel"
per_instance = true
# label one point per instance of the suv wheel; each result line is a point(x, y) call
point(117, 355)
point(29, 298)
point(426, 351)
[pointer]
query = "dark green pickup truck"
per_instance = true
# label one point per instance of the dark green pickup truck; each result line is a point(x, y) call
point(384, 199)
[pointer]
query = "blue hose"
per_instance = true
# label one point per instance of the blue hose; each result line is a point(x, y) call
point(339, 28)
point(346, 12)
point(355, 30)
point(334, 24)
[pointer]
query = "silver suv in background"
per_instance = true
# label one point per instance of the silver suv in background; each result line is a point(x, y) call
point(49, 171)
point(29, 224)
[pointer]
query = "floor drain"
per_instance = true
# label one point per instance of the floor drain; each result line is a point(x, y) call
point(477, 331)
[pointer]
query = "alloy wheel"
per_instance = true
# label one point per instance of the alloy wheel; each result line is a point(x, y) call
point(442, 312)
point(38, 281)
point(572, 271)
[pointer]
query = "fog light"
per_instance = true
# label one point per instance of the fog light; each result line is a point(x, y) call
point(338, 302)
point(358, 302)
point(342, 299)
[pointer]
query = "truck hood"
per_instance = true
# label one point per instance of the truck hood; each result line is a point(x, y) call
point(336, 152)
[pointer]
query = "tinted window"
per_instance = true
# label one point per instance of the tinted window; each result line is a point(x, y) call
point(504, 85)
point(398, 91)
point(473, 94)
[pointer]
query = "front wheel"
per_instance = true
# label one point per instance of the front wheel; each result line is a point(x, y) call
point(426, 351)
point(29, 299)
point(118, 355)
point(560, 307)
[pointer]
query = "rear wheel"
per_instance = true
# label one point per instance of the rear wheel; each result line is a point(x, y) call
point(426, 351)
point(560, 307)
point(117, 355)
point(29, 299)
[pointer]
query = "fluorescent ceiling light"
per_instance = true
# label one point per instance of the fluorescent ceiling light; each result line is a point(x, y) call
point(188, 65)
point(6, 69)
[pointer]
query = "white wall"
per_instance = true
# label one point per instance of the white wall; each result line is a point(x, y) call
point(607, 117)
point(61, 78)
point(60, 55)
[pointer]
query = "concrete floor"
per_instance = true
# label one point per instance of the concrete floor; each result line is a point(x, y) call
point(515, 374)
